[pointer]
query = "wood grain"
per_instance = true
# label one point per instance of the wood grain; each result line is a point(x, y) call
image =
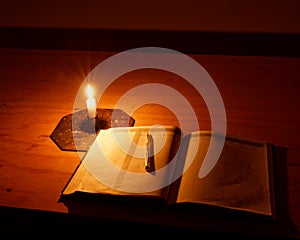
point(38, 87)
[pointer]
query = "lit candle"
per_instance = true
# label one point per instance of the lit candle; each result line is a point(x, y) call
point(91, 103)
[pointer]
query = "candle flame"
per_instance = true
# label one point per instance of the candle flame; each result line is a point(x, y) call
point(90, 91)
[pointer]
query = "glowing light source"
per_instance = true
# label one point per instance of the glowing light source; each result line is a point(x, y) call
point(91, 102)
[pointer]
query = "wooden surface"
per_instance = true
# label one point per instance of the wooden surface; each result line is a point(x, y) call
point(38, 88)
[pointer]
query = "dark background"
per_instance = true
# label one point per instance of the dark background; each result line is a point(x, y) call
point(280, 16)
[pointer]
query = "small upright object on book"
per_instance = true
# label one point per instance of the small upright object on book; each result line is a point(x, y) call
point(148, 153)
point(114, 168)
point(147, 161)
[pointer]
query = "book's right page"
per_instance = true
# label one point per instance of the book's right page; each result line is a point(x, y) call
point(241, 178)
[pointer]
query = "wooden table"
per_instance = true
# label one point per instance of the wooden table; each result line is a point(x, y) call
point(38, 88)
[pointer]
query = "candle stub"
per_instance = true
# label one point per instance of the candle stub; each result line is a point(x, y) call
point(91, 103)
point(91, 107)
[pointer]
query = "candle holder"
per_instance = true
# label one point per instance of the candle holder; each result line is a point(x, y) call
point(76, 131)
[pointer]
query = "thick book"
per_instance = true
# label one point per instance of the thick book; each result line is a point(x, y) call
point(158, 164)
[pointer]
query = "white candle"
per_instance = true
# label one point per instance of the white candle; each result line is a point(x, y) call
point(91, 103)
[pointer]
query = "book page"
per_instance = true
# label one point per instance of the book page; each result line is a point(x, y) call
point(115, 163)
point(239, 180)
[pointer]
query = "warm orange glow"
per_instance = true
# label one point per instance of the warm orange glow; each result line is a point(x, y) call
point(91, 102)
point(90, 91)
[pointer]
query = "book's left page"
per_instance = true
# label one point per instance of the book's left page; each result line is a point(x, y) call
point(116, 163)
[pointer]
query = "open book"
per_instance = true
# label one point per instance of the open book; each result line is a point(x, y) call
point(159, 164)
